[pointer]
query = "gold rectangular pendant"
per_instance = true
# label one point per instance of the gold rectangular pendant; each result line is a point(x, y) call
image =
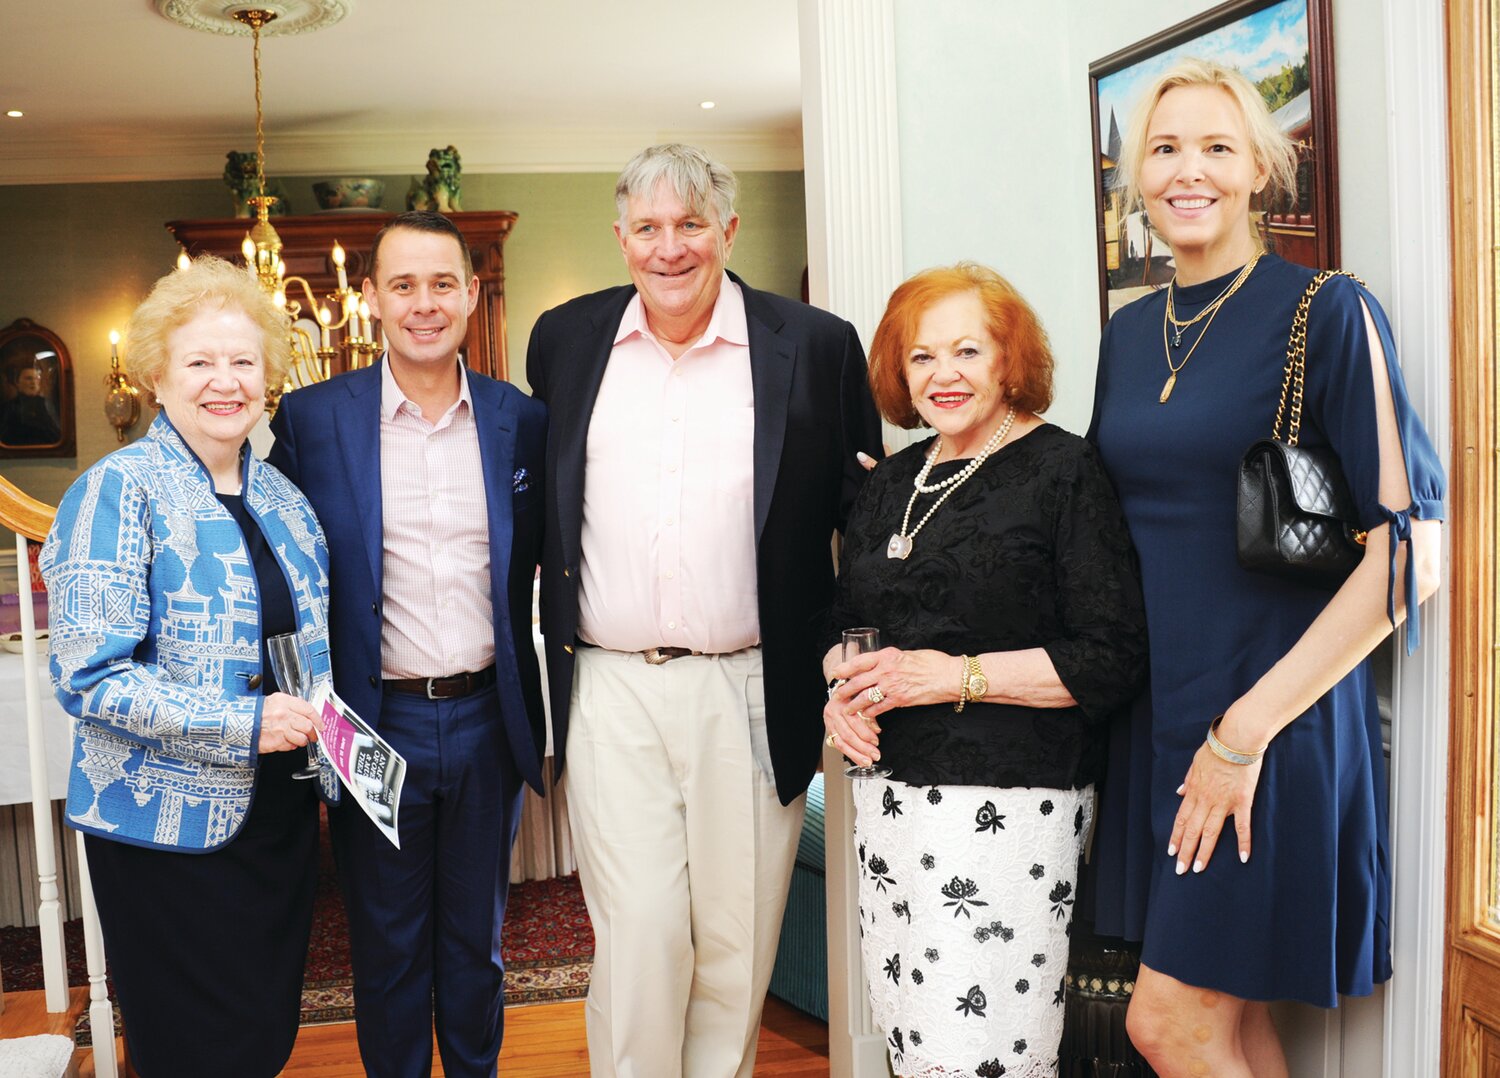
point(1166, 390)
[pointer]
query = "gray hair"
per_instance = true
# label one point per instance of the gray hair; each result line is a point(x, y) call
point(698, 180)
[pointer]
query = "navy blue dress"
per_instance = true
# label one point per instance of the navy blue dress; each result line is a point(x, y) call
point(1308, 917)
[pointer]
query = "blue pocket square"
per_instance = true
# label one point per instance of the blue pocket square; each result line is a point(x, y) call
point(520, 481)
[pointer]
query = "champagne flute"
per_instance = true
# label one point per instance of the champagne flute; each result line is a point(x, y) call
point(292, 666)
point(857, 642)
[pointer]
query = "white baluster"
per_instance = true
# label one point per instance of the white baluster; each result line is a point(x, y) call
point(49, 910)
point(101, 1015)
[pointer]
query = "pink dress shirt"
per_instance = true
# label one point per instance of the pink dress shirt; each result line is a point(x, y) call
point(668, 493)
point(438, 618)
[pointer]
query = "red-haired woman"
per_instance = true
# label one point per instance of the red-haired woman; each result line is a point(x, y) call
point(995, 562)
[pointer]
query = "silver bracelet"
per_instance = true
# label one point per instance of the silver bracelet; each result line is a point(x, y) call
point(1225, 753)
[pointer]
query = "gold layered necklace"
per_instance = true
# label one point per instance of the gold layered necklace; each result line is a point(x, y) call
point(901, 542)
point(1210, 312)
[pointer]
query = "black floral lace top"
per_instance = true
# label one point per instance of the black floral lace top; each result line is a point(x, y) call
point(1031, 551)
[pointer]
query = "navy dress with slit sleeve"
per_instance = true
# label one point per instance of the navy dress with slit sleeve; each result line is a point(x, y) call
point(1308, 917)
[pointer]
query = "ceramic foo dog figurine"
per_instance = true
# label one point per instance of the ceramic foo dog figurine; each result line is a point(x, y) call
point(239, 177)
point(440, 190)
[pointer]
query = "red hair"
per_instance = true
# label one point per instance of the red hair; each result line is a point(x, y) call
point(1009, 318)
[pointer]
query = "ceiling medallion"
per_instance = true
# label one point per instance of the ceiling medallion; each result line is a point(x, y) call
point(291, 16)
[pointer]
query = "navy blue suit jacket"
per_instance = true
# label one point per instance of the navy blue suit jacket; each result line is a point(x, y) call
point(813, 412)
point(328, 443)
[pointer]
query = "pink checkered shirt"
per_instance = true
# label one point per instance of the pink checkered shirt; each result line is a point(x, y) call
point(436, 567)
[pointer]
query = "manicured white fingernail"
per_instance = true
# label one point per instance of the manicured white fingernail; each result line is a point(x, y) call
point(862, 455)
point(1244, 856)
point(1171, 849)
point(1181, 867)
point(1197, 866)
point(1181, 788)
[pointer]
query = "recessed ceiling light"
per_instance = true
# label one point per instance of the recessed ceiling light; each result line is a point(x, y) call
point(705, 104)
point(15, 114)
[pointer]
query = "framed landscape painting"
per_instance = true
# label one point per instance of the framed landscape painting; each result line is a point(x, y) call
point(1284, 47)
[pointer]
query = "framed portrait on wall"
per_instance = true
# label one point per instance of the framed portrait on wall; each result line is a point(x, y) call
point(1285, 48)
point(36, 393)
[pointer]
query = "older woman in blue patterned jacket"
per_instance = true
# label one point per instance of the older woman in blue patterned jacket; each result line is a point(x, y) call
point(170, 564)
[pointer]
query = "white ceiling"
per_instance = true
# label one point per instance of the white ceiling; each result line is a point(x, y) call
point(111, 90)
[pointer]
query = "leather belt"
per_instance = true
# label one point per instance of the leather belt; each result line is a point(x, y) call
point(657, 656)
point(654, 656)
point(443, 688)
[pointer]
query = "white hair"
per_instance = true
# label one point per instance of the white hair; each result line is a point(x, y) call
point(698, 181)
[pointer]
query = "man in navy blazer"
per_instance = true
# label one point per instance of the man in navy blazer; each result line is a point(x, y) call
point(427, 478)
point(701, 453)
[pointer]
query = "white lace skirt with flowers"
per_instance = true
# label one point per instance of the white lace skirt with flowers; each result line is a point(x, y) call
point(965, 903)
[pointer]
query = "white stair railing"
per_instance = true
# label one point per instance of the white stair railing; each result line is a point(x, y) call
point(30, 519)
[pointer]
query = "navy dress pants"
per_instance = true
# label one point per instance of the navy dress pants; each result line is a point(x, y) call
point(424, 920)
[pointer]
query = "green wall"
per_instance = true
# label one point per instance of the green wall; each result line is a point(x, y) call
point(77, 258)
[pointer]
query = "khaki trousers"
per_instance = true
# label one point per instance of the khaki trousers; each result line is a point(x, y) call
point(685, 854)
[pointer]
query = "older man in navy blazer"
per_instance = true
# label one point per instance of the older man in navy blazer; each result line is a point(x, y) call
point(427, 478)
point(702, 452)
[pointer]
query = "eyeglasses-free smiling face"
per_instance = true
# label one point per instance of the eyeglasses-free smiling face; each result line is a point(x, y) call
point(421, 297)
point(213, 387)
point(1197, 179)
point(676, 258)
point(955, 372)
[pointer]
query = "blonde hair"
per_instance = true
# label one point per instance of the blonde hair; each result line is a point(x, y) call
point(1270, 147)
point(179, 297)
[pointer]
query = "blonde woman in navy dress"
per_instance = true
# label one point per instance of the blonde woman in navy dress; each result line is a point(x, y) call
point(1266, 873)
point(994, 560)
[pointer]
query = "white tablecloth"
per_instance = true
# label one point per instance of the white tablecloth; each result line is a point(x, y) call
point(15, 764)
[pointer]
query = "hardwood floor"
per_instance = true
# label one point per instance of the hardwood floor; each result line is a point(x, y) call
point(547, 1041)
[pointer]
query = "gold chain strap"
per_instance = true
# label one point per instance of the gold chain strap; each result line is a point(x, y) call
point(1296, 357)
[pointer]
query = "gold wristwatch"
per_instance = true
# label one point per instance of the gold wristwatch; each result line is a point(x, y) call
point(976, 685)
point(973, 685)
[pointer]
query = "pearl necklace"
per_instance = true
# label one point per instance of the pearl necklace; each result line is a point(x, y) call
point(901, 542)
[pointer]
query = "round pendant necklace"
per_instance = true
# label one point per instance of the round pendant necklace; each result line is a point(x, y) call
point(901, 542)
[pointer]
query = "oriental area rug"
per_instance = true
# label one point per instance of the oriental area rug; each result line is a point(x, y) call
point(547, 942)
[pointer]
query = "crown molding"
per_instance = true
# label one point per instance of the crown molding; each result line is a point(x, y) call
point(118, 157)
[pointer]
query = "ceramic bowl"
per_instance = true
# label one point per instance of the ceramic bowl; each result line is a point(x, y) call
point(349, 193)
point(11, 642)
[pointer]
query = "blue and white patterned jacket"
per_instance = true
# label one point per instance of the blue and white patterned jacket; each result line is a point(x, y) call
point(155, 624)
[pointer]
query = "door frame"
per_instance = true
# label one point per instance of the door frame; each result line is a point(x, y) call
point(1471, 1001)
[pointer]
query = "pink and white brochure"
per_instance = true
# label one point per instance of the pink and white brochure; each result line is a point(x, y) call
point(364, 761)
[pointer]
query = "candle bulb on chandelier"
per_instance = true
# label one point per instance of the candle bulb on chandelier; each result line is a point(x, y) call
point(338, 264)
point(324, 318)
point(247, 248)
point(364, 320)
point(114, 346)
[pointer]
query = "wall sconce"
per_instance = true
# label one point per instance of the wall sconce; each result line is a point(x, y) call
point(122, 400)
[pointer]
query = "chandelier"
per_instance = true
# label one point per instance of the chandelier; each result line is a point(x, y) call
point(345, 327)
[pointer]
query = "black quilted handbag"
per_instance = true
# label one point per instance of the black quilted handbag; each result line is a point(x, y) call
point(1295, 515)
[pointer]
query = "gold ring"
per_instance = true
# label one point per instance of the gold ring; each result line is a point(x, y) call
point(831, 740)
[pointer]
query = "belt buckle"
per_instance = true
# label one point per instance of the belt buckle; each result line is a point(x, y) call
point(430, 683)
point(654, 656)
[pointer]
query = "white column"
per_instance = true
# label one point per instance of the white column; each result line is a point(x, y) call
point(852, 176)
point(1420, 309)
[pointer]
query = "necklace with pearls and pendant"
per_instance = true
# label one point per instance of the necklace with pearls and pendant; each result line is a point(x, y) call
point(901, 542)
